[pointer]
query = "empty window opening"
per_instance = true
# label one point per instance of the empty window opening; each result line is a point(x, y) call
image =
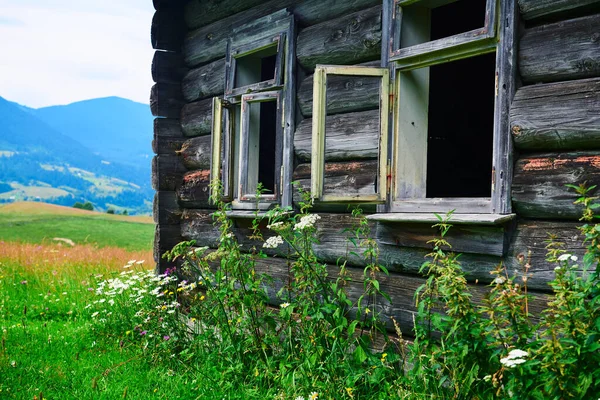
point(444, 17)
point(460, 128)
point(256, 67)
point(262, 138)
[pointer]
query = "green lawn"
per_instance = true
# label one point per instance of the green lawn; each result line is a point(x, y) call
point(39, 223)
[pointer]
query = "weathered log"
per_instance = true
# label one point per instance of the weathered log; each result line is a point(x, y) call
point(195, 153)
point(165, 4)
point(205, 81)
point(531, 9)
point(166, 100)
point(560, 115)
point(168, 67)
point(165, 209)
point(350, 136)
point(194, 191)
point(342, 178)
point(539, 190)
point(167, 171)
point(196, 118)
point(168, 29)
point(350, 39)
point(168, 137)
point(203, 12)
point(209, 42)
point(165, 238)
point(579, 56)
point(344, 93)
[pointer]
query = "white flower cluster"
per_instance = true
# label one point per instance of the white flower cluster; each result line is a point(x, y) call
point(566, 257)
point(276, 226)
point(499, 280)
point(273, 242)
point(308, 221)
point(514, 358)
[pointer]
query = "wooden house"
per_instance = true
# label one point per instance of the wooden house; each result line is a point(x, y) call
point(407, 107)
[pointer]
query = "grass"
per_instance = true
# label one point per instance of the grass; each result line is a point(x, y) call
point(41, 223)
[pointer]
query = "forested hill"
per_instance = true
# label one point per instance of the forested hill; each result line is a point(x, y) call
point(72, 153)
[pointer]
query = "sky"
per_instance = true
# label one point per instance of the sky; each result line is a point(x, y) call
point(55, 52)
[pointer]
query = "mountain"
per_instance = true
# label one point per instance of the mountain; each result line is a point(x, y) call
point(40, 161)
point(119, 130)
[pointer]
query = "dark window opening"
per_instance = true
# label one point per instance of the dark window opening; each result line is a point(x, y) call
point(457, 17)
point(262, 143)
point(460, 129)
point(256, 67)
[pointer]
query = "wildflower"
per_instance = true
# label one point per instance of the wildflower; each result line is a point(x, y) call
point(499, 280)
point(273, 242)
point(275, 226)
point(140, 262)
point(487, 378)
point(514, 358)
point(302, 398)
point(131, 261)
point(166, 337)
point(95, 314)
point(307, 221)
point(23, 282)
point(143, 333)
point(284, 305)
point(313, 396)
point(566, 257)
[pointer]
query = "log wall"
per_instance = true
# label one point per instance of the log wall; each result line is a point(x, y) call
point(554, 123)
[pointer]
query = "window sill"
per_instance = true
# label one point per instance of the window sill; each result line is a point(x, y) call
point(456, 219)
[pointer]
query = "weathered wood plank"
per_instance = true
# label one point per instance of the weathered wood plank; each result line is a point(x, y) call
point(349, 39)
point(165, 209)
point(532, 9)
point(168, 29)
point(196, 118)
point(204, 12)
point(164, 4)
point(351, 136)
point(167, 136)
point(168, 67)
point(165, 238)
point(579, 56)
point(539, 189)
point(342, 178)
point(208, 43)
point(166, 100)
point(167, 171)
point(205, 81)
point(344, 93)
point(194, 191)
point(196, 152)
point(561, 115)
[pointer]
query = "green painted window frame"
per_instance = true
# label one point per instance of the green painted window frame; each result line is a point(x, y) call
point(318, 132)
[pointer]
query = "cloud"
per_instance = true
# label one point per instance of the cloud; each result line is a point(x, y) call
point(66, 51)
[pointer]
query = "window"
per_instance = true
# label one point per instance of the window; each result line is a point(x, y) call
point(251, 144)
point(452, 71)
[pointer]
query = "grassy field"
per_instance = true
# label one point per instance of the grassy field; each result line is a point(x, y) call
point(42, 223)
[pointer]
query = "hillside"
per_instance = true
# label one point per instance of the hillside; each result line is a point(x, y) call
point(39, 162)
point(119, 130)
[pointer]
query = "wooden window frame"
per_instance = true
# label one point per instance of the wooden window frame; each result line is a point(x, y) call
point(409, 155)
point(318, 132)
point(462, 45)
point(243, 194)
point(233, 55)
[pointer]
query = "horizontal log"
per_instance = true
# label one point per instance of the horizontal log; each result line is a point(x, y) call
point(205, 81)
point(196, 118)
point(579, 56)
point(350, 136)
point(168, 29)
point(344, 93)
point(167, 172)
point(532, 9)
point(166, 100)
point(194, 191)
point(165, 238)
point(208, 43)
point(165, 209)
point(166, 4)
point(560, 115)
point(168, 137)
point(168, 67)
point(203, 12)
point(539, 190)
point(342, 178)
point(195, 153)
point(345, 40)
